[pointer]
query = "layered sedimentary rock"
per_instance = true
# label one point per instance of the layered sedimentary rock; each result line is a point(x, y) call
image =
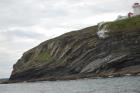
point(84, 53)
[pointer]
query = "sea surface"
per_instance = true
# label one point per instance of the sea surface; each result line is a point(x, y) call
point(127, 84)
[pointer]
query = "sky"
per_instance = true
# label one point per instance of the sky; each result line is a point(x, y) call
point(26, 23)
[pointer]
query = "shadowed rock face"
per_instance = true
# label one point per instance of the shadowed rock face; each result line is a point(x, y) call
point(80, 54)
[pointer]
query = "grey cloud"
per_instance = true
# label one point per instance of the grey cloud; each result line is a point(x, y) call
point(27, 12)
point(22, 34)
point(31, 12)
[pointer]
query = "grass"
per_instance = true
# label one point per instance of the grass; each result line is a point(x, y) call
point(39, 60)
point(126, 24)
point(45, 56)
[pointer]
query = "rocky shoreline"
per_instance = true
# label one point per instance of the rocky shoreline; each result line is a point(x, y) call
point(69, 78)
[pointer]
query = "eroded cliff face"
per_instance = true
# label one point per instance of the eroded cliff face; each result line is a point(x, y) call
point(84, 53)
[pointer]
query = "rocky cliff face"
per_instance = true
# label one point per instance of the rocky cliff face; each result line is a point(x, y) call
point(84, 53)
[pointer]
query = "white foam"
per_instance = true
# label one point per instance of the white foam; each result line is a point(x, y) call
point(110, 76)
point(128, 74)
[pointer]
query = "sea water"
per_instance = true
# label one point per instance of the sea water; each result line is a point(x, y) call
point(127, 84)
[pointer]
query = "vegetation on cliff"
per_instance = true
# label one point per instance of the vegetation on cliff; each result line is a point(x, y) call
point(82, 53)
point(125, 24)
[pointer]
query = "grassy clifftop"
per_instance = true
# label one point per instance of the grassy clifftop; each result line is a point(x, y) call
point(125, 24)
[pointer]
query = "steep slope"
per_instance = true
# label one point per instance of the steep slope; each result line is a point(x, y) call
point(84, 53)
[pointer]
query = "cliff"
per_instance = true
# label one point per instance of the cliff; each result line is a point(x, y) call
point(111, 48)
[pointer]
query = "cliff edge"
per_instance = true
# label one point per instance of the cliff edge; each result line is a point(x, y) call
point(111, 48)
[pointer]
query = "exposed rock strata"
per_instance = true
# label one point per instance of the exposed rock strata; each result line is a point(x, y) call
point(80, 54)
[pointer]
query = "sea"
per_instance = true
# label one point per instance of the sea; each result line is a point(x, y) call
point(126, 84)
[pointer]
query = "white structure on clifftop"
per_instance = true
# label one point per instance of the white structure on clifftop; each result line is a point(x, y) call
point(136, 11)
point(103, 28)
point(136, 8)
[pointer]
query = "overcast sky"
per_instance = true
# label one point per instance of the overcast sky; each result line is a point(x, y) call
point(26, 23)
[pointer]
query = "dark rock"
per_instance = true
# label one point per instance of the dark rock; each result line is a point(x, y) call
point(82, 54)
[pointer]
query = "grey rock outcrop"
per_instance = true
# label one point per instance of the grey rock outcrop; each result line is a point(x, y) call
point(83, 53)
